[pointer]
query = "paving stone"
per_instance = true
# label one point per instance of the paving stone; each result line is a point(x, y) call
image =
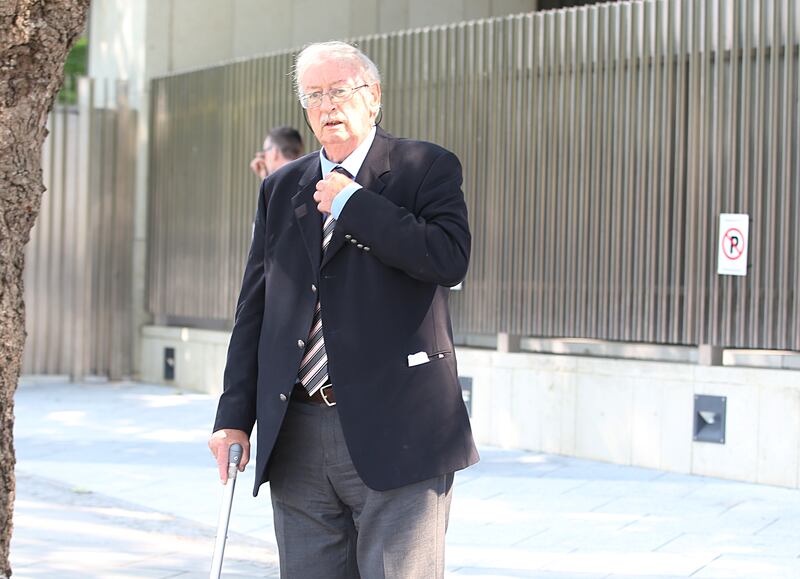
point(631, 563)
point(102, 493)
point(733, 542)
point(757, 567)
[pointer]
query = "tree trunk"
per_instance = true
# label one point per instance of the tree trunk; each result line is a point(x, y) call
point(35, 37)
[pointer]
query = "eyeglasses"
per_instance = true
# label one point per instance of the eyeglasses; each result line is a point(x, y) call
point(336, 95)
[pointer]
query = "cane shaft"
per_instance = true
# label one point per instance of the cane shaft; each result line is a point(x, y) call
point(225, 514)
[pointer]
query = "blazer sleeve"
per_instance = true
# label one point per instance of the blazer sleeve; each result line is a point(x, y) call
point(432, 243)
point(237, 405)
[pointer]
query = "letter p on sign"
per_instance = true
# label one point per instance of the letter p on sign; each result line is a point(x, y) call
point(733, 242)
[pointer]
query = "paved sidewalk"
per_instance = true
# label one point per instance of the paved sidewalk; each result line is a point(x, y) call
point(115, 481)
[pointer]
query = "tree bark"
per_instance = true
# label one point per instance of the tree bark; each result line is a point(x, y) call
point(35, 38)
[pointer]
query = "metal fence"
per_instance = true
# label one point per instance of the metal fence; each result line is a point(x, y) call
point(78, 272)
point(599, 147)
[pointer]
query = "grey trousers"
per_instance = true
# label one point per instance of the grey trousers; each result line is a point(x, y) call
point(330, 525)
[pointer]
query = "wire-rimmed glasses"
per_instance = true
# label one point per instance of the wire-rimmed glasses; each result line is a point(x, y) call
point(336, 95)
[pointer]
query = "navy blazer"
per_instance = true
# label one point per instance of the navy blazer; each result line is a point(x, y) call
point(398, 245)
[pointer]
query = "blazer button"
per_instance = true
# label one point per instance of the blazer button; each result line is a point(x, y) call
point(282, 397)
point(359, 246)
point(366, 248)
point(313, 288)
point(354, 241)
point(347, 236)
point(301, 344)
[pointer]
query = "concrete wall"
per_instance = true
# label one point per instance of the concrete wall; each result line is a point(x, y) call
point(199, 357)
point(142, 39)
point(630, 412)
point(638, 413)
point(208, 31)
point(117, 51)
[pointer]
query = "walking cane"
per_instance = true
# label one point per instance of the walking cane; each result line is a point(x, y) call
point(234, 456)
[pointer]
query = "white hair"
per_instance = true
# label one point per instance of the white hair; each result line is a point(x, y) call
point(334, 50)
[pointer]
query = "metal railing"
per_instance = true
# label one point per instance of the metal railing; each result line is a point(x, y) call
point(78, 272)
point(599, 147)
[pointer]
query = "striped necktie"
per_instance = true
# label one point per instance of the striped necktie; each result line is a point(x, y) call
point(313, 373)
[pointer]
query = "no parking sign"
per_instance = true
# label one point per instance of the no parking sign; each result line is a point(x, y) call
point(733, 229)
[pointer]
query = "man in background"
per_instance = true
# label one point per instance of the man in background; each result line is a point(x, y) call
point(281, 145)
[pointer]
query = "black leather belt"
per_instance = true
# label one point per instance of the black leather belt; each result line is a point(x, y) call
point(322, 397)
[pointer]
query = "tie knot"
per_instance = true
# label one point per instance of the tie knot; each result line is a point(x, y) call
point(343, 171)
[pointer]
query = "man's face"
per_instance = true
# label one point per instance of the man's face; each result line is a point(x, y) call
point(272, 156)
point(340, 127)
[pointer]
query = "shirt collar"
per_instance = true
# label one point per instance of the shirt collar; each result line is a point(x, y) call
point(353, 162)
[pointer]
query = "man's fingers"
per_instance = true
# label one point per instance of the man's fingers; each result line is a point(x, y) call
point(220, 451)
point(323, 201)
point(335, 177)
point(333, 183)
point(220, 444)
point(325, 194)
point(245, 458)
point(223, 469)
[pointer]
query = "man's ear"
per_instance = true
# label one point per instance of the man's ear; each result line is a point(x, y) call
point(375, 93)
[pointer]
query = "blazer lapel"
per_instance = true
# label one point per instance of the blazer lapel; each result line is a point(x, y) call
point(308, 218)
point(376, 164)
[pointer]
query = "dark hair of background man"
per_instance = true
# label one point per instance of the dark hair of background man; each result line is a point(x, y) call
point(288, 141)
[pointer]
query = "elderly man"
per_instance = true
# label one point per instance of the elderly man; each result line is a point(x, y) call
point(342, 347)
point(281, 145)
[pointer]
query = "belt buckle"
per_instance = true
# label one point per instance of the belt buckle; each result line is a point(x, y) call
point(325, 398)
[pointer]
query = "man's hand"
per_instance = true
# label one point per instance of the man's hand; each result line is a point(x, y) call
point(328, 189)
point(220, 442)
point(259, 166)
